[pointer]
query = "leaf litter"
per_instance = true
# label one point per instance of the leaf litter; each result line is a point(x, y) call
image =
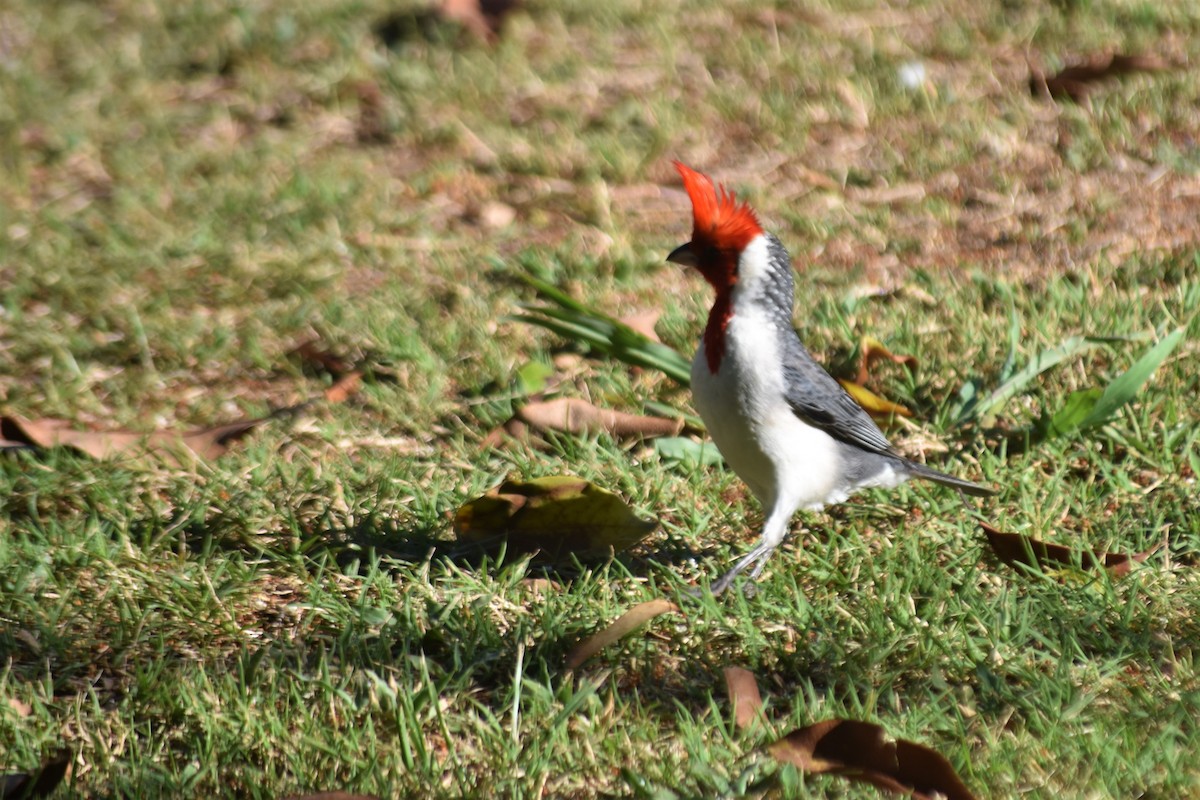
point(579, 417)
point(871, 350)
point(859, 751)
point(744, 697)
point(168, 445)
point(864, 752)
point(624, 625)
point(1078, 81)
point(38, 782)
point(558, 517)
point(573, 415)
point(174, 447)
point(1016, 548)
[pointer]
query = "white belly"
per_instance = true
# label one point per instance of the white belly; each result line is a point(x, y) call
point(780, 457)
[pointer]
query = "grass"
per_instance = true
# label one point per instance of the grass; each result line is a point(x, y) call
point(189, 190)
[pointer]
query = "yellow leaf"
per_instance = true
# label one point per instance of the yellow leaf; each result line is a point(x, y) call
point(875, 405)
point(872, 350)
point(559, 516)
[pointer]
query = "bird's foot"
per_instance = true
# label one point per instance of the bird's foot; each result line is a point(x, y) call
point(756, 558)
point(748, 588)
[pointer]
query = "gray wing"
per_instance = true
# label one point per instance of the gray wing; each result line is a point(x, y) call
point(819, 400)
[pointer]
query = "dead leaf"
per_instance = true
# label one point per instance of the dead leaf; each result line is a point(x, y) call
point(862, 751)
point(318, 355)
point(214, 442)
point(628, 622)
point(1076, 81)
point(572, 415)
point(559, 516)
point(22, 708)
point(643, 322)
point(207, 443)
point(875, 405)
point(872, 350)
point(347, 379)
point(743, 693)
point(344, 387)
point(540, 587)
point(40, 782)
point(514, 427)
point(492, 214)
point(1016, 548)
point(482, 18)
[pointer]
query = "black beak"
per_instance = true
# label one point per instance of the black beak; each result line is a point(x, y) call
point(684, 254)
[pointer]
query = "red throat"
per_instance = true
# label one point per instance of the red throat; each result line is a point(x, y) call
point(721, 229)
point(714, 331)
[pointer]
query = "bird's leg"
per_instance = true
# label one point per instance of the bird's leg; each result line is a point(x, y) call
point(774, 530)
point(759, 554)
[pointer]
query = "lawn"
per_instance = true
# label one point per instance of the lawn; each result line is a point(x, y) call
point(189, 192)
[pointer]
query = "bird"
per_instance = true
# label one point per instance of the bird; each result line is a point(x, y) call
point(782, 423)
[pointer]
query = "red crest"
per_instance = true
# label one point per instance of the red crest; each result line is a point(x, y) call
point(719, 221)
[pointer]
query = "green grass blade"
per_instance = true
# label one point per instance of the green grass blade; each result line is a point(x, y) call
point(1127, 384)
point(671, 412)
point(1014, 339)
point(575, 321)
point(1088, 408)
point(1043, 361)
point(1074, 412)
point(601, 326)
point(553, 293)
point(567, 330)
point(632, 347)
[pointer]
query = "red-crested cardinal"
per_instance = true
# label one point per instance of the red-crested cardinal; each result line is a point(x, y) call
point(787, 428)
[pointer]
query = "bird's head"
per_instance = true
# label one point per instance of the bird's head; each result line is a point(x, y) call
point(722, 228)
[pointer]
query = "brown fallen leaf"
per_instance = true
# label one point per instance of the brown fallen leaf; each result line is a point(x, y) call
point(540, 587)
point(482, 18)
point(628, 622)
point(514, 428)
point(862, 751)
point(1016, 548)
point(743, 693)
point(344, 387)
point(1077, 81)
point(643, 322)
point(347, 378)
point(572, 415)
point(558, 516)
point(875, 405)
point(22, 708)
point(313, 352)
point(39, 782)
point(872, 350)
point(207, 443)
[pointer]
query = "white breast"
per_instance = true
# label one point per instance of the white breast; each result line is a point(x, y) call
point(781, 458)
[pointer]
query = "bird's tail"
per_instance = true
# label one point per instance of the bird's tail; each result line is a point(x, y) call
point(966, 487)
